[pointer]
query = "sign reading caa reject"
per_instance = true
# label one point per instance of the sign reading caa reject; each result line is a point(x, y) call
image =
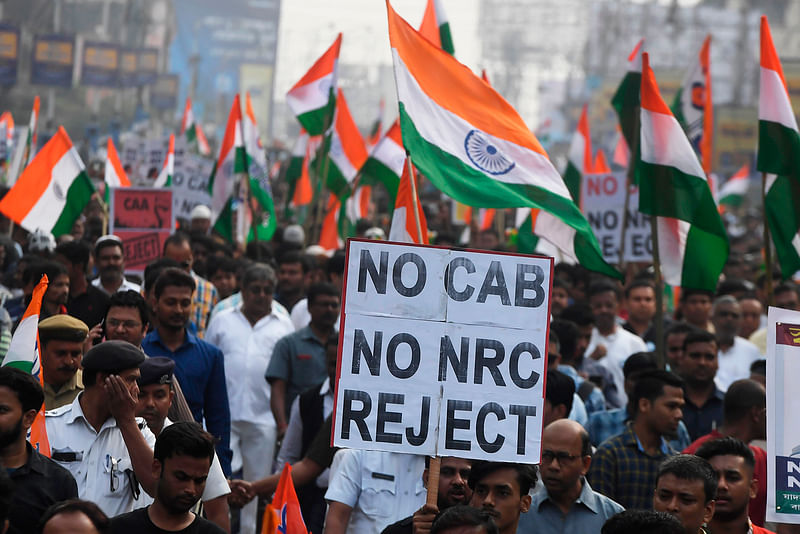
point(443, 352)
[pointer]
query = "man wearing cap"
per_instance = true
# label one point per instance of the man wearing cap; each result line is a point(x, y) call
point(98, 437)
point(200, 219)
point(155, 399)
point(61, 339)
point(110, 260)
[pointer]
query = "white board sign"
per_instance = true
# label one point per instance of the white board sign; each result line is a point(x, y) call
point(602, 201)
point(443, 352)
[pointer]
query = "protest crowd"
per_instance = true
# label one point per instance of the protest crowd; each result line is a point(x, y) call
point(195, 390)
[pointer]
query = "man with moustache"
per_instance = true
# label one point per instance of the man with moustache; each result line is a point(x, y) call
point(181, 460)
point(61, 339)
point(109, 257)
point(38, 481)
point(686, 488)
point(501, 490)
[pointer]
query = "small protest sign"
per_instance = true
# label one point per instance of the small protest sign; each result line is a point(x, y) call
point(142, 218)
point(141, 247)
point(443, 352)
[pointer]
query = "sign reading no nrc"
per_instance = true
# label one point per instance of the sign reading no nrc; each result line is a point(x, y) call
point(443, 352)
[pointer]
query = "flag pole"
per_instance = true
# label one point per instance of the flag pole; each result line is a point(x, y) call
point(628, 181)
point(659, 282)
point(433, 481)
point(767, 242)
point(415, 202)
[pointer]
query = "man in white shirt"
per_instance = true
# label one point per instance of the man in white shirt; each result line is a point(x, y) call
point(98, 438)
point(736, 354)
point(246, 335)
point(611, 344)
point(109, 256)
point(369, 490)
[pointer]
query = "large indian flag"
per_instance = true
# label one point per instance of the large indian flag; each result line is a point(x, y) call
point(23, 354)
point(313, 98)
point(435, 26)
point(693, 245)
point(345, 148)
point(472, 145)
point(52, 190)
point(579, 158)
point(778, 137)
point(386, 161)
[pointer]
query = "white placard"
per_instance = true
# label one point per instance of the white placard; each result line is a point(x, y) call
point(602, 199)
point(783, 430)
point(449, 363)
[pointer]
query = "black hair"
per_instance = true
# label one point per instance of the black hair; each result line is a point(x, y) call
point(637, 521)
point(28, 390)
point(603, 286)
point(579, 313)
point(154, 269)
point(563, 284)
point(552, 337)
point(699, 336)
point(107, 243)
point(322, 288)
point(463, 516)
point(296, 256)
point(731, 286)
point(33, 273)
point(690, 467)
point(184, 438)
point(336, 263)
point(742, 396)
point(173, 277)
point(687, 292)
point(177, 239)
point(638, 362)
point(225, 264)
point(259, 251)
point(678, 327)
point(77, 506)
point(639, 282)
point(76, 252)
point(258, 272)
point(526, 474)
point(759, 367)
point(785, 287)
point(650, 385)
point(567, 333)
point(128, 299)
point(560, 389)
point(727, 446)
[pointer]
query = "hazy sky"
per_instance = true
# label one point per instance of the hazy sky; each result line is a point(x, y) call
point(308, 27)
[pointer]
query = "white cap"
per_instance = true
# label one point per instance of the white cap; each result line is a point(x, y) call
point(294, 234)
point(41, 240)
point(200, 212)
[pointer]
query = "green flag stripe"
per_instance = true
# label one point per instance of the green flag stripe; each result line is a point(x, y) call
point(375, 172)
point(782, 206)
point(317, 121)
point(778, 149)
point(626, 103)
point(475, 188)
point(78, 195)
point(668, 192)
point(263, 232)
point(447, 39)
point(704, 258)
point(572, 177)
point(25, 366)
point(526, 239)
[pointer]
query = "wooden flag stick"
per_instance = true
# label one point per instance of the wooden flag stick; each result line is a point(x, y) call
point(659, 281)
point(767, 242)
point(415, 202)
point(433, 481)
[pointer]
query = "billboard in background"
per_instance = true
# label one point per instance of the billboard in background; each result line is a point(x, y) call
point(234, 44)
point(127, 67)
point(100, 64)
point(164, 93)
point(9, 54)
point(53, 60)
point(147, 66)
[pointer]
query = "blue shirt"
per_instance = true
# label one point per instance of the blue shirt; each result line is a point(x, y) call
point(605, 425)
point(594, 402)
point(299, 360)
point(700, 421)
point(200, 369)
point(587, 514)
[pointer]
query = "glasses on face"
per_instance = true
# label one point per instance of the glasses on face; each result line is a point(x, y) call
point(562, 457)
point(127, 325)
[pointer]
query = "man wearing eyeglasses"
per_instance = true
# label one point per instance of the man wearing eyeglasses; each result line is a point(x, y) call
point(247, 335)
point(736, 354)
point(567, 502)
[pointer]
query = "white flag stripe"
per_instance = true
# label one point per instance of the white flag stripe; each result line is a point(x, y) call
point(314, 95)
point(560, 234)
point(448, 131)
point(48, 208)
point(665, 143)
point(672, 235)
point(773, 103)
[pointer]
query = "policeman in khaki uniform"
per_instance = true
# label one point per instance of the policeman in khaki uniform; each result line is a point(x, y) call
point(61, 339)
point(98, 438)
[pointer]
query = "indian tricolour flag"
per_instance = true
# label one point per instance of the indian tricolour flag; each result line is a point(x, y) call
point(472, 145)
point(232, 160)
point(733, 191)
point(404, 224)
point(115, 175)
point(778, 137)
point(164, 177)
point(693, 245)
point(435, 26)
point(7, 131)
point(626, 99)
point(262, 208)
point(782, 211)
point(33, 132)
point(693, 107)
point(579, 157)
point(345, 148)
point(52, 191)
point(195, 138)
point(386, 161)
point(329, 238)
point(313, 98)
point(23, 354)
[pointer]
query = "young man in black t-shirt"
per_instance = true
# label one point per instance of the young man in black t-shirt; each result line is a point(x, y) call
point(182, 457)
